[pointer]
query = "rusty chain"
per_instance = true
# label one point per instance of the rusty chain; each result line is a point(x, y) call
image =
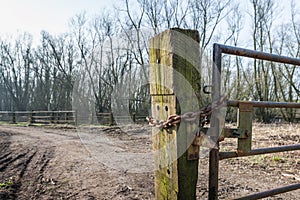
point(191, 117)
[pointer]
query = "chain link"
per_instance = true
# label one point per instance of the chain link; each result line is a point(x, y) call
point(190, 117)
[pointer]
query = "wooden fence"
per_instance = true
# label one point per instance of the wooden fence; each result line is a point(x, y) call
point(39, 117)
point(67, 117)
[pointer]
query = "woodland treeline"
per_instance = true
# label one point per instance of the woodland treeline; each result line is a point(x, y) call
point(105, 57)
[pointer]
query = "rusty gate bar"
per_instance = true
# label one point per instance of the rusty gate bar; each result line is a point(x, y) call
point(271, 192)
point(234, 154)
point(215, 125)
point(266, 104)
point(215, 155)
point(258, 55)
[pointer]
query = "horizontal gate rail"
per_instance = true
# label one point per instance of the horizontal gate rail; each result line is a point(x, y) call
point(265, 104)
point(234, 154)
point(258, 55)
point(271, 192)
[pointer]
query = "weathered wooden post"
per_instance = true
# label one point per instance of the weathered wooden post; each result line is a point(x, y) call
point(14, 117)
point(111, 119)
point(133, 117)
point(31, 118)
point(75, 118)
point(92, 117)
point(65, 118)
point(174, 59)
point(52, 117)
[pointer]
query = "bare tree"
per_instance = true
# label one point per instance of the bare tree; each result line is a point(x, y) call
point(286, 83)
point(206, 16)
point(262, 25)
point(15, 65)
point(234, 23)
point(63, 58)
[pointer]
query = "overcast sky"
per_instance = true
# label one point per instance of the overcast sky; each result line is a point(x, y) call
point(33, 16)
point(51, 15)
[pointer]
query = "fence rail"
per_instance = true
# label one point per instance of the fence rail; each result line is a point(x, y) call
point(41, 117)
point(68, 117)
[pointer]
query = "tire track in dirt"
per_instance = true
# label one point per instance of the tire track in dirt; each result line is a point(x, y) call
point(48, 164)
point(9, 160)
point(22, 166)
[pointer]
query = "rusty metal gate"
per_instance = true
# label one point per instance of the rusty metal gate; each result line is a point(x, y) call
point(244, 131)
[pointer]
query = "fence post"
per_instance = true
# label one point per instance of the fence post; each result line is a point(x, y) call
point(92, 117)
point(111, 119)
point(52, 117)
point(133, 117)
point(31, 120)
point(174, 54)
point(14, 117)
point(75, 118)
point(65, 117)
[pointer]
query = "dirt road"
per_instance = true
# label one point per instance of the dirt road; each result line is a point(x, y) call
point(54, 164)
point(113, 163)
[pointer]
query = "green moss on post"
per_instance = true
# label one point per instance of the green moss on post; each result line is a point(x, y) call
point(174, 55)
